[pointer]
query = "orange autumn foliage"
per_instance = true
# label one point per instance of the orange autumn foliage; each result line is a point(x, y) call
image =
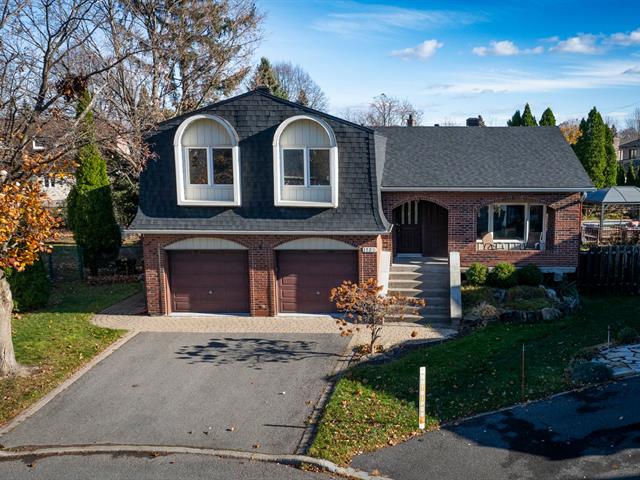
point(25, 224)
point(363, 304)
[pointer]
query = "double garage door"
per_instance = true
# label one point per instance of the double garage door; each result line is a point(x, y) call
point(217, 281)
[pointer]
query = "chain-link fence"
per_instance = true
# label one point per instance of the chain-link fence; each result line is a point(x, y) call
point(65, 263)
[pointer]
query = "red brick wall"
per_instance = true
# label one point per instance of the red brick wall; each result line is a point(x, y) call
point(262, 277)
point(563, 225)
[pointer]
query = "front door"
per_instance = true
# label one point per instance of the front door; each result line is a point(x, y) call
point(435, 230)
point(407, 226)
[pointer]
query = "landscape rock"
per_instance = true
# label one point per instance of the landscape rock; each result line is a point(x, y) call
point(550, 313)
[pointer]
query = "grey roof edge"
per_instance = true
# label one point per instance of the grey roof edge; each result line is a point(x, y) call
point(590, 188)
point(630, 143)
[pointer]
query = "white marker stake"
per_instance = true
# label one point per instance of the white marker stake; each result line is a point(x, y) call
point(422, 397)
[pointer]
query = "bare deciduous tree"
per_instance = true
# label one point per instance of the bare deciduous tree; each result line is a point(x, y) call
point(385, 111)
point(143, 59)
point(297, 83)
point(633, 122)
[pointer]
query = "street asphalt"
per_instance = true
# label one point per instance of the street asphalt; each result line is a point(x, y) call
point(237, 391)
point(592, 434)
point(169, 467)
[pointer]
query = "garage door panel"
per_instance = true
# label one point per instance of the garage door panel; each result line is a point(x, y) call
point(209, 281)
point(305, 279)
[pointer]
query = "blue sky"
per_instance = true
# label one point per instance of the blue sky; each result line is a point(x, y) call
point(456, 59)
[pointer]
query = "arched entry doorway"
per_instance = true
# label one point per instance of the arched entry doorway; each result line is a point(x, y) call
point(421, 228)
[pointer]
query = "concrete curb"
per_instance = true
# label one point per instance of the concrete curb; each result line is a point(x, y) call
point(293, 460)
point(25, 414)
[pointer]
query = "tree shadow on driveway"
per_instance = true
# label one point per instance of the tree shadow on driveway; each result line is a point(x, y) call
point(252, 352)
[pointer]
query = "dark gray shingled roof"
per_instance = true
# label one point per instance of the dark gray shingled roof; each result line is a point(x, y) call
point(491, 158)
point(631, 144)
point(255, 117)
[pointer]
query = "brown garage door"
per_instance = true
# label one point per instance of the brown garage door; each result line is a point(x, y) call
point(306, 277)
point(211, 281)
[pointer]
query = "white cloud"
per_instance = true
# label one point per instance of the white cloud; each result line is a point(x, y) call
point(505, 48)
point(625, 39)
point(635, 70)
point(577, 77)
point(585, 43)
point(423, 50)
point(368, 19)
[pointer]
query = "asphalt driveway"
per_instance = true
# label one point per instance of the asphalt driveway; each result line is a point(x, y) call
point(236, 391)
point(591, 434)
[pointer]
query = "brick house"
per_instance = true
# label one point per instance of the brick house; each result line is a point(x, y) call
point(259, 205)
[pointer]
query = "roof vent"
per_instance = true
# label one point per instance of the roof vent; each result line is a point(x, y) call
point(411, 122)
point(475, 121)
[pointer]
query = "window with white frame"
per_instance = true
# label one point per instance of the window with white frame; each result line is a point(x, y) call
point(305, 163)
point(207, 162)
point(512, 226)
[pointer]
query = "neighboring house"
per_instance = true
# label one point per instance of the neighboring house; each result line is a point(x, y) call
point(630, 150)
point(56, 188)
point(260, 205)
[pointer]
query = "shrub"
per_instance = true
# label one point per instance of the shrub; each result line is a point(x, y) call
point(472, 296)
point(503, 275)
point(525, 293)
point(477, 274)
point(30, 288)
point(528, 304)
point(627, 335)
point(584, 372)
point(485, 311)
point(530, 275)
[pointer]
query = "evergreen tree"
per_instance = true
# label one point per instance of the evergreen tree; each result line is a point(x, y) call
point(265, 76)
point(632, 176)
point(528, 120)
point(611, 168)
point(591, 147)
point(302, 98)
point(548, 119)
point(621, 178)
point(516, 120)
point(89, 204)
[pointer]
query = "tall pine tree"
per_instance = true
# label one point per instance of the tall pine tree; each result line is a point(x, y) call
point(591, 148)
point(89, 204)
point(265, 76)
point(611, 169)
point(528, 120)
point(621, 178)
point(516, 120)
point(548, 119)
point(632, 176)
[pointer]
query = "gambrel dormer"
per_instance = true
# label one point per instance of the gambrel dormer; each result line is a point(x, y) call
point(305, 163)
point(207, 159)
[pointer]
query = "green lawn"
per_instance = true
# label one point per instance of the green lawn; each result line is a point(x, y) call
point(58, 340)
point(373, 406)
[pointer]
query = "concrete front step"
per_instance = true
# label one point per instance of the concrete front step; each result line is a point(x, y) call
point(399, 267)
point(393, 283)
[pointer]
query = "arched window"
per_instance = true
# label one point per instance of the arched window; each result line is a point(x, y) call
point(305, 156)
point(207, 162)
